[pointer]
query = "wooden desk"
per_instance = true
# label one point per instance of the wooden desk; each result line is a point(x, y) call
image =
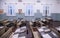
point(35, 32)
point(7, 34)
point(18, 24)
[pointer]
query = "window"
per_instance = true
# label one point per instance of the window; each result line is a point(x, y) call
point(46, 11)
point(29, 10)
point(11, 10)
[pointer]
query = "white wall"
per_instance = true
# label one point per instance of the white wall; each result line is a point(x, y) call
point(54, 5)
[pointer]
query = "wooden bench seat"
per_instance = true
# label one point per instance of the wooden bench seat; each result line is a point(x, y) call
point(2, 31)
point(1, 27)
point(7, 33)
point(18, 24)
point(55, 31)
point(35, 32)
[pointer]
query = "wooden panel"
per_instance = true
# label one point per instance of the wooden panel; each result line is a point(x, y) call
point(20, 11)
point(1, 11)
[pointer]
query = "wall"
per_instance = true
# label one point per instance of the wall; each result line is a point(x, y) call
point(53, 7)
point(37, 15)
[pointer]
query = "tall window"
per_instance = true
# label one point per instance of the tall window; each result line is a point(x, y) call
point(29, 10)
point(46, 11)
point(11, 10)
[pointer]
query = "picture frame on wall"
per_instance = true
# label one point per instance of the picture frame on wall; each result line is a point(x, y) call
point(1, 11)
point(19, 11)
